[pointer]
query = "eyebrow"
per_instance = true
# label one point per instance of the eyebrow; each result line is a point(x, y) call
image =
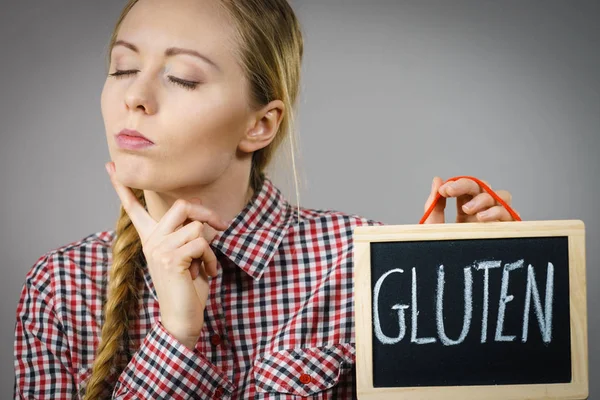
point(171, 51)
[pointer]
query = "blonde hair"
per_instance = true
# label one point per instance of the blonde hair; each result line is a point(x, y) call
point(270, 49)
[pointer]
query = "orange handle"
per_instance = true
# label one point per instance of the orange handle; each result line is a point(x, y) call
point(483, 186)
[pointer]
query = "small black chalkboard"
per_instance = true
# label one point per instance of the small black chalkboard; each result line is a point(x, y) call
point(524, 340)
point(451, 308)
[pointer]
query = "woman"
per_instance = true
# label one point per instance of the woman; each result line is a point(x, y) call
point(212, 284)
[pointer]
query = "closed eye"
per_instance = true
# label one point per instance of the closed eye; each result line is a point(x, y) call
point(119, 73)
point(190, 85)
point(183, 83)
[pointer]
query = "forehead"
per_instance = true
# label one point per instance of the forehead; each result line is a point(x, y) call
point(202, 25)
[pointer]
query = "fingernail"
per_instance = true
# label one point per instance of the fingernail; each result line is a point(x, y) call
point(469, 205)
point(483, 214)
point(433, 184)
point(107, 168)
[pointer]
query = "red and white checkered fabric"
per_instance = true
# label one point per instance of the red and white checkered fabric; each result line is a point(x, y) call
point(279, 321)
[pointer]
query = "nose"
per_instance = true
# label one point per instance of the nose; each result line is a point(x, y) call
point(140, 96)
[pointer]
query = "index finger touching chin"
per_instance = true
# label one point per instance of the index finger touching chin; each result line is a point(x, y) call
point(140, 218)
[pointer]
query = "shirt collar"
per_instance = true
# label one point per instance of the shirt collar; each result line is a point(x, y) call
point(254, 235)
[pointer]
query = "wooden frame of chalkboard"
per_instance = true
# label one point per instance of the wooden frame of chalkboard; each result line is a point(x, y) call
point(405, 363)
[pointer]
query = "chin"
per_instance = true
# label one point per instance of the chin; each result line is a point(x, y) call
point(134, 175)
point(144, 179)
point(134, 180)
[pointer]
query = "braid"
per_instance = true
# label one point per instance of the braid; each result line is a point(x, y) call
point(120, 308)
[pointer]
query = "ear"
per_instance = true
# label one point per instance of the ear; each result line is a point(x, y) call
point(263, 127)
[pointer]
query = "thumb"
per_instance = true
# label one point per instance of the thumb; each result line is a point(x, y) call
point(437, 215)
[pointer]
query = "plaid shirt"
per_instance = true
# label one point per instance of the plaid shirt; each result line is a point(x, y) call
point(279, 322)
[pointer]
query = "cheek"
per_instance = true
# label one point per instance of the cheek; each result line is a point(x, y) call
point(203, 136)
point(217, 123)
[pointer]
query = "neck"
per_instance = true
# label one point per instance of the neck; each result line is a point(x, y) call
point(227, 196)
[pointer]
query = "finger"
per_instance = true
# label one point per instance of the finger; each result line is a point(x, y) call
point(437, 214)
point(505, 195)
point(199, 248)
point(201, 213)
point(183, 210)
point(481, 202)
point(461, 187)
point(486, 183)
point(143, 222)
point(432, 193)
point(496, 213)
point(183, 235)
point(195, 268)
point(201, 286)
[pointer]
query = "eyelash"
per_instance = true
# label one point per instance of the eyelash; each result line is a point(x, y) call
point(184, 84)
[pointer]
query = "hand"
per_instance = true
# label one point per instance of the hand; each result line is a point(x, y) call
point(473, 204)
point(179, 259)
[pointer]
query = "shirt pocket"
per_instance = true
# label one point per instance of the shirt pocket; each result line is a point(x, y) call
point(303, 371)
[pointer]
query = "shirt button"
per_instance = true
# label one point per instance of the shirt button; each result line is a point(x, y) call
point(215, 339)
point(305, 378)
point(218, 393)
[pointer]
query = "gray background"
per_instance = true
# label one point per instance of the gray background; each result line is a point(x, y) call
point(393, 93)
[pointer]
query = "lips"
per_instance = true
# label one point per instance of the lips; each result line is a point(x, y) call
point(132, 140)
point(133, 134)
